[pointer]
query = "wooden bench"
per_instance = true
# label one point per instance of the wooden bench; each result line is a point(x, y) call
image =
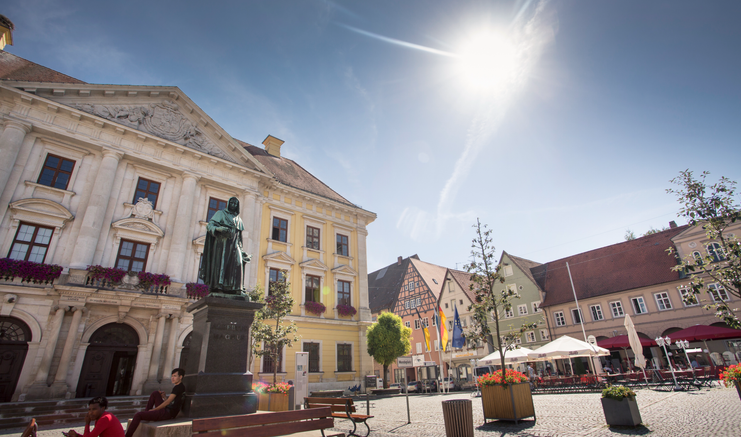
point(342, 408)
point(266, 424)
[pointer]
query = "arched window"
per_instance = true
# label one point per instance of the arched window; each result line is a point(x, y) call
point(716, 252)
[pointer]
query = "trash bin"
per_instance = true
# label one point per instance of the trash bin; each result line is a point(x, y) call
point(458, 415)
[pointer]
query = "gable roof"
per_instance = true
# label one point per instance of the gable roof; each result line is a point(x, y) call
point(624, 266)
point(464, 281)
point(432, 274)
point(524, 265)
point(14, 67)
point(288, 172)
point(384, 285)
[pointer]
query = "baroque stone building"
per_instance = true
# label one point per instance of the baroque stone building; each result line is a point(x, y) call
point(127, 176)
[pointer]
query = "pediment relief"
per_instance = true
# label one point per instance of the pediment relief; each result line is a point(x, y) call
point(164, 119)
point(344, 270)
point(314, 264)
point(42, 206)
point(140, 225)
point(279, 257)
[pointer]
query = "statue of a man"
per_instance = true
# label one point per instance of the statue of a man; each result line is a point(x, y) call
point(224, 259)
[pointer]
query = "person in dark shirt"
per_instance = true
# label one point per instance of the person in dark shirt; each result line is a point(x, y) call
point(106, 424)
point(160, 407)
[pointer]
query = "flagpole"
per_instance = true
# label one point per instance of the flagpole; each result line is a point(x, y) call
point(581, 322)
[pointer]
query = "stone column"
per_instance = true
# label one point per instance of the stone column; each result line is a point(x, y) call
point(40, 389)
point(154, 362)
point(59, 388)
point(170, 352)
point(181, 232)
point(10, 144)
point(92, 221)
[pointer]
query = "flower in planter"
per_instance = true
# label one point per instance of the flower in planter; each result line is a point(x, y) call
point(28, 271)
point(147, 280)
point(346, 310)
point(510, 377)
point(196, 291)
point(317, 308)
point(110, 275)
point(278, 387)
point(618, 392)
point(731, 375)
point(259, 386)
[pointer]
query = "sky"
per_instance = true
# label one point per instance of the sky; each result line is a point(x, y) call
point(558, 123)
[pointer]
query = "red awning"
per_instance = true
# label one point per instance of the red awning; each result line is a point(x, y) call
point(704, 332)
point(622, 342)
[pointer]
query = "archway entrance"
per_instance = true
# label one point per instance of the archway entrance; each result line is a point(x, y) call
point(186, 350)
point(14, 338)
point(108, 369)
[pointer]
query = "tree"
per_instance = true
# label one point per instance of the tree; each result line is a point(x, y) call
point(388, 339)
point(268, 327)
point(629, 235)
point(714, 208)
point(488, 301)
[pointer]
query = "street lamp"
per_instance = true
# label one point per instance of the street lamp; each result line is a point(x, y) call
point(664, 342)
point(684, 345)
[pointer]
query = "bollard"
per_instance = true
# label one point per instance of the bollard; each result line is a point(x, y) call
point(458, 416)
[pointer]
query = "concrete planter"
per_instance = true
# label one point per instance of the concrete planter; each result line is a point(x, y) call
point(622, 413)
point(513, 402)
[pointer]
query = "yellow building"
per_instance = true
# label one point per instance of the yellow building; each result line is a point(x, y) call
point(315, 239)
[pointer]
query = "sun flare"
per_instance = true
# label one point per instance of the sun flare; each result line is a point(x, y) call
point(487, 62)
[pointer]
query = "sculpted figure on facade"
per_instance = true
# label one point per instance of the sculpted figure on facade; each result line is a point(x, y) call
point(224, 259)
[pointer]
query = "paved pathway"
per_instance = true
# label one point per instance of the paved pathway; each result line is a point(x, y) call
point(710, 412)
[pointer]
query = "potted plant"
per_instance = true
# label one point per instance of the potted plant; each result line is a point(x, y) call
point(317, 308)
point(196, 291)
point(732, 376)
point(278, 396)
point(104, 276)
point(28, 271)
point(263, 399)
point(506, 397)
point(620, 407)
point(346, 310)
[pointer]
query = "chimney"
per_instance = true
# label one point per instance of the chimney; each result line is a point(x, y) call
point(672, 224)
point(398, 261)
point(272, 145)
point(6, 32)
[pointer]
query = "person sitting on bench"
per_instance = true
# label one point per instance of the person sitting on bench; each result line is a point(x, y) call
point(159, 407)
point(106, 424)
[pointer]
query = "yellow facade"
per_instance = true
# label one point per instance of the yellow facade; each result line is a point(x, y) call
point(297, 261)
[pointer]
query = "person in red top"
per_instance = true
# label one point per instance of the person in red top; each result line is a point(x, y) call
point(106, 424)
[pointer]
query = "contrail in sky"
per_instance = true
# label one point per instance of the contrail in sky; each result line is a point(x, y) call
point(397, 41)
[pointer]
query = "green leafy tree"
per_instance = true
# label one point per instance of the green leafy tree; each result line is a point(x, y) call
point(629, 235)
point(490, 299)
point(388, 339)
point(269, 327)
point(714, 208)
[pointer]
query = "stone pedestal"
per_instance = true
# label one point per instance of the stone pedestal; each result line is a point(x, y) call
point(217, 382)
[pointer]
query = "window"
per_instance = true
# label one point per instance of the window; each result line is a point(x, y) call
point(508, 271)
point(342, 247)
point(518, 339)
point(344, 358)
point(146, 189)
point(460, 301)
point(662, 301)
point(437, 345)
point(312, 238)
point(718, 292)
point(132, 256)
point(419, 348)
point(522, 310)
point(596, 311)
point(280, 229)
point(536, 307)
point(56, 172)
point(617, 309)
point(426, 322)
point(560, 320)
point(417, 325)
point(411, 285)
point(408, 324)
point(544, 334)
point(343, 293)
point(576, 315)
point(446, 305)
point(685, 291)
point(213, 206)
point(31, 243)
point(434, 320)
point(312, 288)
point(530, 337)
point(698, 257)
point(639, 306)
point(716, 252)
point(267, 362)
point(508, 313)
point(277, 275)
point(313, 350)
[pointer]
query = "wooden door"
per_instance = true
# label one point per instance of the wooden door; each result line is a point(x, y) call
point(96, 370)
point(14, 338)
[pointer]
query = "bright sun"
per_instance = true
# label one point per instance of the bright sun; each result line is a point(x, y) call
point(487, 62)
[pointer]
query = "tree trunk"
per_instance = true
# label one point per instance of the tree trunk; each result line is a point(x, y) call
point(385, 376)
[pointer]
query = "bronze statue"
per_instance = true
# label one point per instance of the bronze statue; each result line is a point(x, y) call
point(224, 259)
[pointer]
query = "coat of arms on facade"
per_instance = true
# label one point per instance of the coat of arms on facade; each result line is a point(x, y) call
point(143, 209)
point(161, 119)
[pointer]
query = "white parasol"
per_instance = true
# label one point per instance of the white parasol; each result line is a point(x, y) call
point(635, 345)
point(514, 356)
